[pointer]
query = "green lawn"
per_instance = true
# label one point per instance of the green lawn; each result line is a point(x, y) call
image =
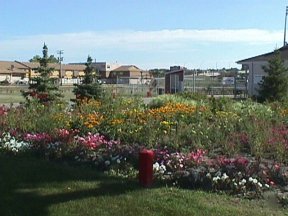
point(12, 94)
point(30, 186)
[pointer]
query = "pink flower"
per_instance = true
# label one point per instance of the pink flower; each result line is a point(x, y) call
point(94, 141)
point(198, 155)
point(277, 167)
point(37, 137)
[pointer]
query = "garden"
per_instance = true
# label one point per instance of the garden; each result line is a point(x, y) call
point(221, 145)
point(54, 152)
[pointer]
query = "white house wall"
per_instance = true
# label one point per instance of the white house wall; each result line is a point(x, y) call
point(256, 74)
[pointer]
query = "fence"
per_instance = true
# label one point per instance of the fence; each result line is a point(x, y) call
point(208, 85)
point(205, 85)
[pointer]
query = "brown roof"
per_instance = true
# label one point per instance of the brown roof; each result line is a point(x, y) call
point(265, 57)
point(72, 67)
point(10, 67)
point(127, 68)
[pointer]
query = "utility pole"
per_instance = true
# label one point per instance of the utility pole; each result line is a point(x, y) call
point(60, 58)
point(284, 43)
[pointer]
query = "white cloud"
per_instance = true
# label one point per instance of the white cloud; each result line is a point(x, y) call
point(77, 46)
point(136, 38)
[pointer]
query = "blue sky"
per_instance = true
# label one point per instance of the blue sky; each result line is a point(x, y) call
point(148, 33)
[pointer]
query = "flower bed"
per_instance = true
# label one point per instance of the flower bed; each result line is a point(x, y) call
point(237, 147)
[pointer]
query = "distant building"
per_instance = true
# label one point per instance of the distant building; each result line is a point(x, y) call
point(13, 71)
point(254, 66)
point(104, 68)
point(129, 74)
point(174, 80)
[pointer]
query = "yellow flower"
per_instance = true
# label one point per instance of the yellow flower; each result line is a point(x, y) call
point(164, 123)
point(117, 121)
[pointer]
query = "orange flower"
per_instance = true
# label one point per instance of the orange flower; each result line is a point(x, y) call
point(92, 119)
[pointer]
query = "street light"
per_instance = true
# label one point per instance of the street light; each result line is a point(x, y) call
point(284, 43)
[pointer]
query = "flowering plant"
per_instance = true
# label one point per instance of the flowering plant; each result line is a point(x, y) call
point(10, 143)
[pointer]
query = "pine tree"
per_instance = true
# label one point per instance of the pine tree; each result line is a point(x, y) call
point(43, 87)
point(274, 86)
point(90, 88)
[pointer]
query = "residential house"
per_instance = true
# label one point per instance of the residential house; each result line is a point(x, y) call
point(254, 67)
point(129, 74)
point(73, 73)
point(104, 69)
point(15, 70)
point(11, 71)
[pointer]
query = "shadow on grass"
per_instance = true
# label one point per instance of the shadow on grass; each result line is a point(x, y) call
point(28, 186)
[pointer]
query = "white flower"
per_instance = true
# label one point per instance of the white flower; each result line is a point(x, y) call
point(255, 181)
point(266, 185)
point(243, 181)
point(156, 166)
point(118, 161)
point(225, 176)
point(250, 179)
point(162, 169)
point(107, 162)
point(259, 184)
point(208, 175)
point(215, 179)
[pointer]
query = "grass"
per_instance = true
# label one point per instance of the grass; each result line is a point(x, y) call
point(30, 186)
point(12, 94)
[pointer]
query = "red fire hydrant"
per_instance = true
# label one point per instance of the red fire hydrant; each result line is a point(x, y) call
point(146, 158)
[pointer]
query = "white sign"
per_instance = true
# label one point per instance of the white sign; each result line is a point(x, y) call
point(228, 80)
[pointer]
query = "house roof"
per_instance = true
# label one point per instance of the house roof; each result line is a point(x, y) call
point(72, 67)
point(130, 68)
point(10, 67)
point(265, 57)
point(174, 72)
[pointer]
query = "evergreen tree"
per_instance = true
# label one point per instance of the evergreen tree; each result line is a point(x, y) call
point(90, 87)
point(51, 59)
point(274, 86)
point(43, 87)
